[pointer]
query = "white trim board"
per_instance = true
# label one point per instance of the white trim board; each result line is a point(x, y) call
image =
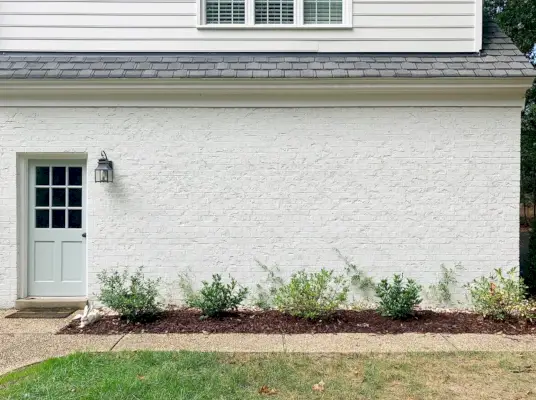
point(469, 92)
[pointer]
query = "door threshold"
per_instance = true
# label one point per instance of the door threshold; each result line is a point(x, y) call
point(50, 302)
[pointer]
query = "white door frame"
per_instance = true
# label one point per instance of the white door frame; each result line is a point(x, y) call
point(23, 160)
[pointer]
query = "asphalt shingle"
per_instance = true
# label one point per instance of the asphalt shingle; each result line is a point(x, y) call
point(498, 58)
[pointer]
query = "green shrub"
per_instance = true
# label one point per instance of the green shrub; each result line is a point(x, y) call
point(498, 296)
point(216, 297)
point(359, 280)
point(133, 297)
point(312, 295)
point(526, 309)
point(441, 291)
point(398, 300)
point(267, 289)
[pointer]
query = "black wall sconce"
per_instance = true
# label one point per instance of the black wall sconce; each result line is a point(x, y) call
point(105, 169)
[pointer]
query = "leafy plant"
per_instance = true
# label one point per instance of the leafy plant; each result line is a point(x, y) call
point(499, 295)
point(312, 295)
point(441, 291)
point(186, 288)
point(358, 278)
point(267, 290)
point(396, 299)
point(526, 309)
point(133, 297)
point(216, 297)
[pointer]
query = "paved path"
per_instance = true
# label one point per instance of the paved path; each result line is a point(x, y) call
point(25, 341)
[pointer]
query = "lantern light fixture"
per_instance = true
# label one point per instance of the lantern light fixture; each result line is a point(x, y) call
point(105, 170)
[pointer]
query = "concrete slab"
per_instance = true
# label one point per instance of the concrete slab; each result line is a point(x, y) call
point(50, 302)
point(241, 343)
point(478, 342)
point(4, 312)
point(31, 325)
point(18, 350)
point(365, 343)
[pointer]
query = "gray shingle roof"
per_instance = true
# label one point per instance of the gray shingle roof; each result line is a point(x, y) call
point(499, 58)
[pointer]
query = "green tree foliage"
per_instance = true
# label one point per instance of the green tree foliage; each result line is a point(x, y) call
point(518, 20)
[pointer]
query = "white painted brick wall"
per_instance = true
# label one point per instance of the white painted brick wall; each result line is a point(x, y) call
point(211, 190)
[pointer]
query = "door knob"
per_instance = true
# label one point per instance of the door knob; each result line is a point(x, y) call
point(84, 234)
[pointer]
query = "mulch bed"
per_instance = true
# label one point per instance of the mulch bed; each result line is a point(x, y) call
point(273, 322)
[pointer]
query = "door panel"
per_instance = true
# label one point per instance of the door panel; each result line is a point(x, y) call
point(44, 261)
point(57, 259)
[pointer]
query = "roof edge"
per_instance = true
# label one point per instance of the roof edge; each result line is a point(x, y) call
point(223, 93)
point(163, 84)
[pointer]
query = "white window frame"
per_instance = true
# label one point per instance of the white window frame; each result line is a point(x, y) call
point(249, 8)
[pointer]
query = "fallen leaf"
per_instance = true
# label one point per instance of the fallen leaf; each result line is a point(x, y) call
point(319, 387)
point(266, 390)
point(140, 377)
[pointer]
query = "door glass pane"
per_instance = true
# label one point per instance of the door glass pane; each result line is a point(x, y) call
point(58, 218)
point(42, 175)
point(75, 218)
point(75, 176)
point(58, 175)
point(58, 197)
point(41, 219)
point(41, 197)
point(75, 197)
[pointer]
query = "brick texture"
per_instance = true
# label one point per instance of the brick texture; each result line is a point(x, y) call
point(211, 190)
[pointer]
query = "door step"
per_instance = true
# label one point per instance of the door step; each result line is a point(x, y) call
point(50, 302)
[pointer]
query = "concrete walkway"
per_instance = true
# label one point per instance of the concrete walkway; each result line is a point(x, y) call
point(25, 341)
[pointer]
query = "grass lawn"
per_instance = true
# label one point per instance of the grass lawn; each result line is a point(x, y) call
point(192, 375)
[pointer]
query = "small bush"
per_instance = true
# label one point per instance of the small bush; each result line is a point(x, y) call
point(526, 310)
point(312, 295)
point(133, 297)
point(267, 289)
point(398, 300)
point(359, 280)
point(498, 296)
point(186, 287)
point(441, 291)
point(217, 297)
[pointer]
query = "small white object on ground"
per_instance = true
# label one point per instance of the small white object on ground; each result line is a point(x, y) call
point(88, 316)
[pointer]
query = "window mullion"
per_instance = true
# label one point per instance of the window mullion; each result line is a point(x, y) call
point(298, 12)
point(250, 12)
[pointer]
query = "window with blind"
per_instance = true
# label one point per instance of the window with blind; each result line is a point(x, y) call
point(322, 11)
point(290, 13)
point(225, 12)
point(274, 11)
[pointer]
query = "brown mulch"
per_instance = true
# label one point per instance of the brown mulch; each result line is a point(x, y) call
point(274, 322)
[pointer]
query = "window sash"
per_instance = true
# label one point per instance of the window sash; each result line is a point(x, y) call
point(322, 12)
point(277, 12)
point(225, 11)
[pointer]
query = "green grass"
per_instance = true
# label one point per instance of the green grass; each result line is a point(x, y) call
point(192, 375)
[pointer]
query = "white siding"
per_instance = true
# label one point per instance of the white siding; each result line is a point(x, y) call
point(170, 25)
point(396, 189)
